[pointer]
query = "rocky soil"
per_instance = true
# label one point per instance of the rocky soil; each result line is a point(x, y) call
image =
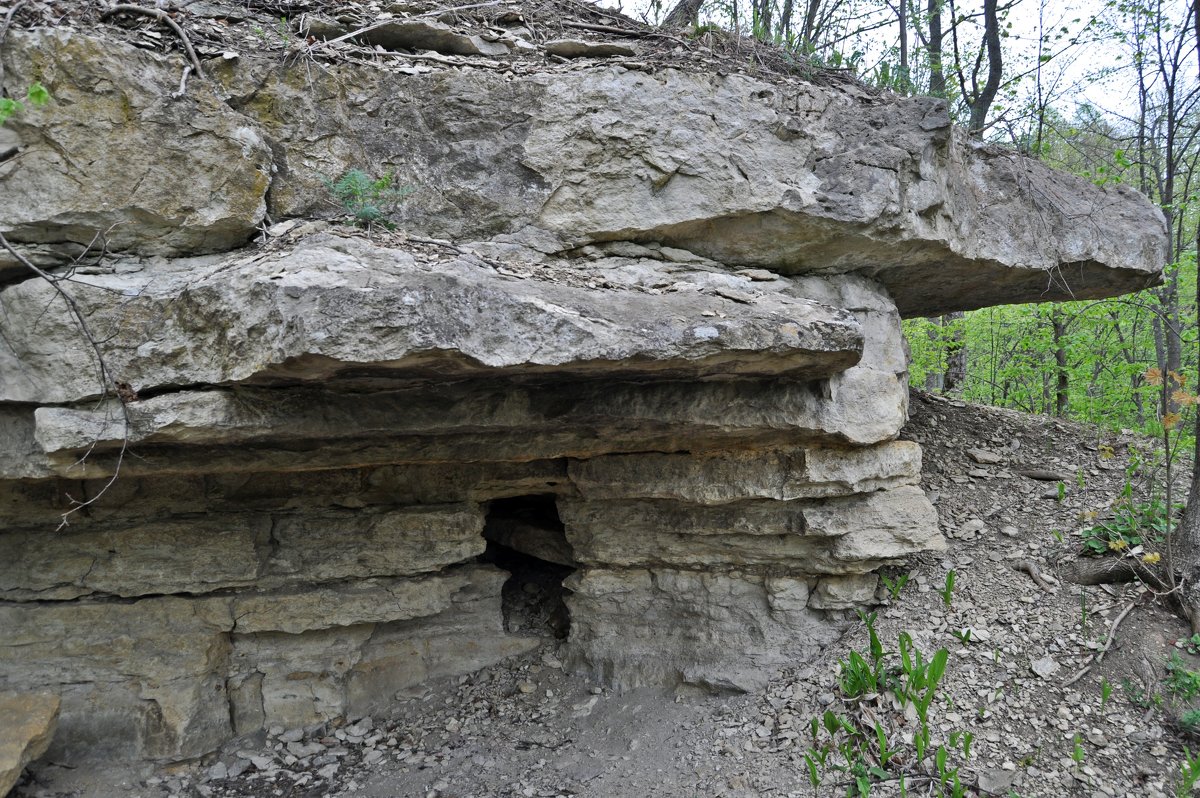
point(527, 728)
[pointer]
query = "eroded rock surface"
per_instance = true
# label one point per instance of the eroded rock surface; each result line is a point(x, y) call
point(655, 375)
point(29, 724)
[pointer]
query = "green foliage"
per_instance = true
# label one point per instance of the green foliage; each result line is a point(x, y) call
point(856, 748)
point(1183, 683)
point(948, 590)
point(1132, 524)
point(1106, 690)
point(1189, 773)
point(368, 201)
point(1077, 752)
point(894, 586)
point(36, 95)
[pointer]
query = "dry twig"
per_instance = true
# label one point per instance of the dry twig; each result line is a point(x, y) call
point(1112, 633)
point(103, 373)
point(161, 16)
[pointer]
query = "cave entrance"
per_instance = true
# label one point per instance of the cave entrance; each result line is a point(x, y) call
point(526, 537)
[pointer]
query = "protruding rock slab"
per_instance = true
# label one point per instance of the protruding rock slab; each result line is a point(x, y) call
point(29, 722)
point(205, 553)
point(822, 180)
point(850, 535)
point(343, 306)
point(780, 474)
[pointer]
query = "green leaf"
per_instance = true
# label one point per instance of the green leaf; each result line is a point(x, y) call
point(37, 94)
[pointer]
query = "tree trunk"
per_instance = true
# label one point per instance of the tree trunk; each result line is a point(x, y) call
point(937, 78)
point(1061, 390)
point(686, 13)
point(956, 352)
point(982, 102)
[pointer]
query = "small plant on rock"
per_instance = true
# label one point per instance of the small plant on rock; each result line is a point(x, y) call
point(36, 95)
point(368, 201)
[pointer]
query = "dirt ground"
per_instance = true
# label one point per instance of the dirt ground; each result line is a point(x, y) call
point(527, 728)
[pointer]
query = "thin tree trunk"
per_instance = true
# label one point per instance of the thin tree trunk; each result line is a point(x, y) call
point(937, 78)
point(982, 103)
point(956, 352)
point(686, 13)
point(1061, 390)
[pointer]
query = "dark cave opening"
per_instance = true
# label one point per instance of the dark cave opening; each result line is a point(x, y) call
point(526, 537)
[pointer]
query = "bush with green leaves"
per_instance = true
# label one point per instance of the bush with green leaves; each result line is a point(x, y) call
point(368, 200)
point(1132, 524)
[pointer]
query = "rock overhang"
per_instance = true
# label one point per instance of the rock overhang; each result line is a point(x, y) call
point(778, 174)
point(667, 301)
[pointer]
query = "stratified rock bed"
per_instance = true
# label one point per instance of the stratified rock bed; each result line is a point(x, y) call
point(664, 364)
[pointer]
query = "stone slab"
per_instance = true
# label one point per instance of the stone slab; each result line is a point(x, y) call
point(781, 474)
point(30, 720)
point(717, 631)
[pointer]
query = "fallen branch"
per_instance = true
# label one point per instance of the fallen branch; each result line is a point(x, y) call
point(161, 16)
point(1112, 633)
point(187, 70)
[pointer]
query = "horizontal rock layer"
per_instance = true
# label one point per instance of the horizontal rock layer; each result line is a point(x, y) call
point(562, 160)
point(162, 677)
point(342, 307)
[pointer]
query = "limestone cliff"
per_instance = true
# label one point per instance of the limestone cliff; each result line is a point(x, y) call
point(639, 328)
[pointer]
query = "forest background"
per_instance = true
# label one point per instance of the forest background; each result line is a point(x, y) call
point(1107, 90)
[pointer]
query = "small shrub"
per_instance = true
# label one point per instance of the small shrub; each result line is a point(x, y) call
point(368, 201)
point(1133, 524)
point(1182, 682)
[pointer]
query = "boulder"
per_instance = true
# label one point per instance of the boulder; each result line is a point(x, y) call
point(30, 720)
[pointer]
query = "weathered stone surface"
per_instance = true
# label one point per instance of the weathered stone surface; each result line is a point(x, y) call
point(200, 554)
point(581, 48)
point(150, 678)
point(367, 602)
point(714, 630)
point(574, 158)
point(560, 160)
point(35, 505)
point(466, 421)
point(317, 670)
point(849, 535)
point(144, 679)
point(844, 592)
point(780, 474)
point(428, 34)
point(30, 720)
point(117, 154)
point(341, 305)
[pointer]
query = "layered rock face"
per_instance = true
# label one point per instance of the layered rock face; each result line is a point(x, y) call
point(663, 367)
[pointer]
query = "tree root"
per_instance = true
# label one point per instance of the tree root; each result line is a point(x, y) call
point(1112, 571)
point(1035, 573)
